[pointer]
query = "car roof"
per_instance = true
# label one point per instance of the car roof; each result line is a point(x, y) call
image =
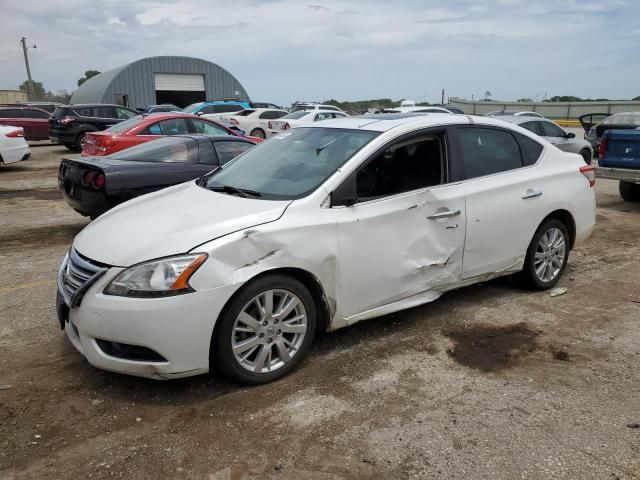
point(22, 107)
point(381, 122)
point(518, 119)
point(81, 105)
point(202, 136)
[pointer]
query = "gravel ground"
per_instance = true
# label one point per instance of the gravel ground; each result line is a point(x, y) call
point(487, 382)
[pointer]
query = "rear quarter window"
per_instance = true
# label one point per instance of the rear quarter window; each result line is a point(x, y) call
point(531, 150)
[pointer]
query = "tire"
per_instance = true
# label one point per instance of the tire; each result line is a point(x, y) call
point(80, 141)
point(537, 256)
point(630, 192)
point(258, 133)
point(586, 154)
point(242, 325)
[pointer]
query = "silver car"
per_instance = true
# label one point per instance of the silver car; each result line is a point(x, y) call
point(555, 135)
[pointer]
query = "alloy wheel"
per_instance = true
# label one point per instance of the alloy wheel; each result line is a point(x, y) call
point(269, 331)
point(550, 255)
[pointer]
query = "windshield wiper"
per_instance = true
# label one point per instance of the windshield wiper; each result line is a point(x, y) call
point(243, 192)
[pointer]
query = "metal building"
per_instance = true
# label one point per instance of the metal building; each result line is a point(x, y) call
point(156, 80)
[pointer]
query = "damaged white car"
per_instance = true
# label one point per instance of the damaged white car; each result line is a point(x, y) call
point(321, 227)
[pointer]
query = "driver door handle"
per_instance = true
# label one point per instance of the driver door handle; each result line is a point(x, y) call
point(445, 214)
point(531, 193)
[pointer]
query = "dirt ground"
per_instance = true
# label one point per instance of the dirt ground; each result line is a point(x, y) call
point(487, 382)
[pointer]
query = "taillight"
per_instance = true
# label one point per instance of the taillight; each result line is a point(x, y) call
point(66, 120)
point(603, 147)
point(99, 180)
point(589, 171)
point(104, 143)
point(87, 178)
point(233, 121)
point(285, 126)
point(15, 133)
point(94, 179)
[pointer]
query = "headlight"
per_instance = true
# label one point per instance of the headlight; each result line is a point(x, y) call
point(158, 278)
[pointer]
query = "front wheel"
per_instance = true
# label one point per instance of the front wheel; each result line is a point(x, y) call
point(546, 257)
point(586, 154)
point(265, 330)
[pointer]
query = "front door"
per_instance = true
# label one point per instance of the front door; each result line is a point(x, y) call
point(404, 232)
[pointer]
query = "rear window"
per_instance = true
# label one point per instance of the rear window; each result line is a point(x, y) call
point(622, 119)
point(59, 112)
point(295, 115)
point(126, 125)
point(167, 150)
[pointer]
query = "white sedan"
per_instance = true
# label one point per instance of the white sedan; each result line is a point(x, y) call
point(254, 121)
point(318, 228)
point(301, 117)
point(13, 146)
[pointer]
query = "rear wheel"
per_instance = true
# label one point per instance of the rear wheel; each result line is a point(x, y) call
point(586, 154)
point(265, 330)
point(80, 141)
point(629, 191)
point(546, 257)
point(258, 133)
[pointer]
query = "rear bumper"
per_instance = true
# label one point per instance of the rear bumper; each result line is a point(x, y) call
point(16, 153)
point(63, 137)
point(86, 202)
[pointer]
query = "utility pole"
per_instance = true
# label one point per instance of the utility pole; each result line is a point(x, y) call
point(442, 101)
point(23, 42)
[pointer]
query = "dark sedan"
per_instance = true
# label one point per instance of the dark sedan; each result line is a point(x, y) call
point(93, 185)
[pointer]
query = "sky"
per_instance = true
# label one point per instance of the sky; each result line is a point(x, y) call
point(287, 50)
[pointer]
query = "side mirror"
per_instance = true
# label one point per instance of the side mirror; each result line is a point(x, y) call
point(345, 194)
point(571, 135)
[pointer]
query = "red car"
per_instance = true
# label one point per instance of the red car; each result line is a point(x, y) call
point(143, 128)
point(34, 121)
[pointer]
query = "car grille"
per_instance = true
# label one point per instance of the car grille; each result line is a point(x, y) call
point(76, 275)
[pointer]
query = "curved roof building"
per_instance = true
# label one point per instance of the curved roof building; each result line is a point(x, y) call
point(155, 80)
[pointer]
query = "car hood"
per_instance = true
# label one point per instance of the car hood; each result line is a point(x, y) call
point(170, 222)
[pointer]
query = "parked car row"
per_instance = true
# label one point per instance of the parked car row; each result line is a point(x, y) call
point(260, 253)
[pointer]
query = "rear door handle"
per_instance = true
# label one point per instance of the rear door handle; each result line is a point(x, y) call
point(448, 213)
point(531, 193)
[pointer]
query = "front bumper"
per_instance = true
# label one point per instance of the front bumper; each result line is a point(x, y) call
point(178, 328)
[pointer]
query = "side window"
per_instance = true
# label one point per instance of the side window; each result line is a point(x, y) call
point(486, 151)
point(531, 149)
point(272, 115)
point(174, 126)
point(123, 113)
point(207, 109)
point(29, 113)
point(153, 129)
point(229, 150)
point(208, 128)
point(11, 113)
point(552, 130)
point(104, 112)
point(532, 127)
point(323, 116)
point(84, 112)
point(227, 108)
point(404, 166)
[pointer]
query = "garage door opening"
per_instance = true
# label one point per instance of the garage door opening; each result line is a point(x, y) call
point(179, 89)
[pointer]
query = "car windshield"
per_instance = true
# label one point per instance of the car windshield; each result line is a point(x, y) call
point(290, 165)
point(295, 115)
point(168, 149)
point(126, 125)
point(622, 119)
point(192, 107)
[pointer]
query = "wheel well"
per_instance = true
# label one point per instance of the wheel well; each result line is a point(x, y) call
point(308, 280)
point(565, 217)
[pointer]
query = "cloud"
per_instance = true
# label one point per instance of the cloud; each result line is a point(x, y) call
point(115, 21)
point(283, 50)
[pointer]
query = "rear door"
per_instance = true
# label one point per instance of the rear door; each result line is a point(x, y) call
point(504, 197)
point(404, 235)
point(36, 124)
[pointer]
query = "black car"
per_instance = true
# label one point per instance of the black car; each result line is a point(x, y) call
point(69, 123)
point(165, 107)
point(93, 185)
